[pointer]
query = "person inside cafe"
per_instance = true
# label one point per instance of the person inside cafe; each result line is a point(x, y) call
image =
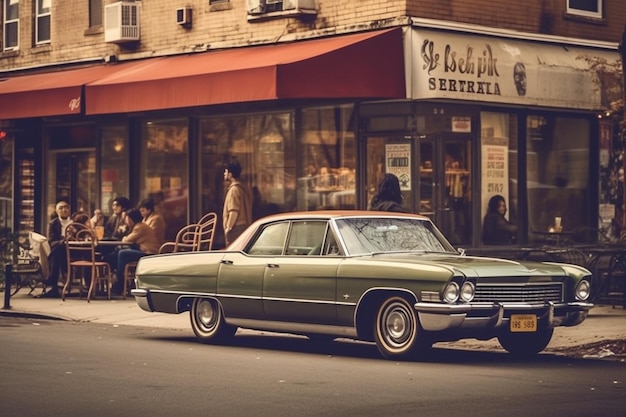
point(237, 213)
point(115, 227)
point(497, 230)
point(57, 260)
point(388, 196)
point(140, 241)
point(98, 219)
point(152, 218)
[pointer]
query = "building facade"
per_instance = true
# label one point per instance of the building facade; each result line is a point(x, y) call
point(317, 99)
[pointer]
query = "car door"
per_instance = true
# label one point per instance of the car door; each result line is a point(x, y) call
point(240, 283)
point(300, 285)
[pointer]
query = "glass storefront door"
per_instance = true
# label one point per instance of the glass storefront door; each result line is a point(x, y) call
point(446, 178)
point(390, 154)
point(72, 177)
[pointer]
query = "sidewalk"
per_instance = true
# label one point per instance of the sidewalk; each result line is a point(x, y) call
point(603, 324)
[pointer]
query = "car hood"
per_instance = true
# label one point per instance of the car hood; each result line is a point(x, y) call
point(475, 266)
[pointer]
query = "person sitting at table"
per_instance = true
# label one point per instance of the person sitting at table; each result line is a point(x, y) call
point(497, 230)
point(143, 241)
point(57, 259)
point(115, 227)
point(152, 218)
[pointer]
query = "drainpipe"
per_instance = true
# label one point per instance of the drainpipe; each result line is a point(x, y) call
point(622, 51)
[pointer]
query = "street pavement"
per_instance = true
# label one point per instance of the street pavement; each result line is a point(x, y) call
point(604, 323)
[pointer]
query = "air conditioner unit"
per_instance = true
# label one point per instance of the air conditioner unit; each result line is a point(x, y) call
point(256, 7)
point(303, 6)
point(183, 16)
point(292, 7)
point(121, 22)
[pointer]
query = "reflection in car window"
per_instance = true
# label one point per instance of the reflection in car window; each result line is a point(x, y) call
point(367, 235)
point(271, 240)
point(306, 238)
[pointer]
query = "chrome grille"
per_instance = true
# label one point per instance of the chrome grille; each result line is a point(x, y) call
point(526, 293)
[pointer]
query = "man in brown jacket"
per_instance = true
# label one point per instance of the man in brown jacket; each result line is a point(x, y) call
point(237, 214)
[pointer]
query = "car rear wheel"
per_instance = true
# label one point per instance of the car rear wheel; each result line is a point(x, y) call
point(525, 344)
point(207, 321)
point(397, 331)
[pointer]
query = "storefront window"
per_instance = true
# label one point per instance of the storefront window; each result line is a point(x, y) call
point(499, 161)
point(164, 168)
point(558, 172)
point(264, 145)
point(113, 167)
point(6, 186)
point(327, 169)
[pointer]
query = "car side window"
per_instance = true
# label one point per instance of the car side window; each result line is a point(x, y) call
point(271, 240)
point(306, 238)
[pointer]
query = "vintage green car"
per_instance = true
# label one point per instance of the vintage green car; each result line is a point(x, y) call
point(389, 278)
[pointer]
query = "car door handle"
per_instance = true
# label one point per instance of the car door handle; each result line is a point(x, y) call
point(272, 265)
point(226, 261)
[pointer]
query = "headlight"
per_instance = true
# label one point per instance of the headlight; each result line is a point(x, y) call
point(467, 291)
point(583, 290)
point(451, 293)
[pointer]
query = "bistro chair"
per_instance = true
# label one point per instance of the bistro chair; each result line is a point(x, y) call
point(83, 262)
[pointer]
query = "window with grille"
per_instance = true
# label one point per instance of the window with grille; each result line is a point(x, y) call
point(42, 21)
point(10, 25)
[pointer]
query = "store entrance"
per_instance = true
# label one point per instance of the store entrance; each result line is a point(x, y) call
point(446, 176)
point(72, 177)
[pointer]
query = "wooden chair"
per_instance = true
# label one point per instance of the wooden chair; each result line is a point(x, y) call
point(82, 262)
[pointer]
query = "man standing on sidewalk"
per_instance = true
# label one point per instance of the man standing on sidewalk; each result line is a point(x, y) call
point(237, 214)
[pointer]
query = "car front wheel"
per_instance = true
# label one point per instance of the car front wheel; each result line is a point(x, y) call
point(397, 331)
point(207, 321)
point(525, 344)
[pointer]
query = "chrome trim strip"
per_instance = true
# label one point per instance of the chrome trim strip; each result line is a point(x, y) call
point(292, 327)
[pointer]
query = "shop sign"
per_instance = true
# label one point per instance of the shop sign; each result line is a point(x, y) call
point(444, 65)
point(398, 162)
point(462, 124)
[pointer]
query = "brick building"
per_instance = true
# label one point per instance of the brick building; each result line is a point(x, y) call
point(317, 98)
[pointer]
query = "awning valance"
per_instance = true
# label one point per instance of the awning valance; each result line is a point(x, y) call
point(46, 94)
point(364, 65)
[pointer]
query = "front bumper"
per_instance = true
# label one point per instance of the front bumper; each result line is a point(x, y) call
point(440, 317)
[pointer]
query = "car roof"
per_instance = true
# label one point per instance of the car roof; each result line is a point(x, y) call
point(339, 213)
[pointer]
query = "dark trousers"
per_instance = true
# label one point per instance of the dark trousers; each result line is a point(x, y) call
point(124, 257)
point(57, 260)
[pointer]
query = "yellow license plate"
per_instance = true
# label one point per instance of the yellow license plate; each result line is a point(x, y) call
point(523, 323)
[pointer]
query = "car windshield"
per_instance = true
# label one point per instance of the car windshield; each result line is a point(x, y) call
point(388, 234)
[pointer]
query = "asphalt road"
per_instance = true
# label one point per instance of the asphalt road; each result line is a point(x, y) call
point(57, 368)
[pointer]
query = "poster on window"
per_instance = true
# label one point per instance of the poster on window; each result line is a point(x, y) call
point(495, 173)
point(398, 162)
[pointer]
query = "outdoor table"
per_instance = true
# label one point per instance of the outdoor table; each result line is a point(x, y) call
point(614, 272)
point(556, 237)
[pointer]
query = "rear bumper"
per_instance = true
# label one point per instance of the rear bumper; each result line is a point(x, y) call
point(142, 299)
point(440, 317)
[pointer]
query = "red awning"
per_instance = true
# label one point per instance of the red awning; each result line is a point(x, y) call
point(364, 65)
point(48, 94)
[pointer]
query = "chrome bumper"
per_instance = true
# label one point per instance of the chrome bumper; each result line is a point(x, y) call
point(439, 317)
point(141, 297)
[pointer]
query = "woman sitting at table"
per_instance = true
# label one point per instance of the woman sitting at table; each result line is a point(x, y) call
point(497, 230)
point(143, 241)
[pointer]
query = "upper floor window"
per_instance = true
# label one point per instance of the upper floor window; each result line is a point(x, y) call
point(588, 8)
point(42, 21)
point(95, 13)
point(10, 25)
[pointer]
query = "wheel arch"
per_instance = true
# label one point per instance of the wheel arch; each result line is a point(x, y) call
point(367, 308)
